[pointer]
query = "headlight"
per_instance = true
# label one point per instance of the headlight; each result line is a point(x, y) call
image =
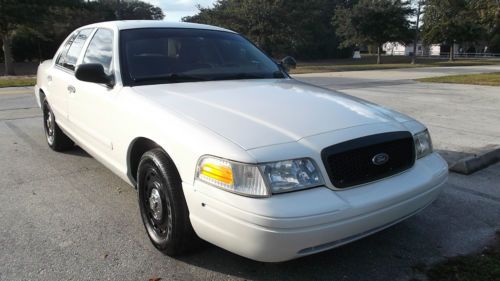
point(259, 180)
point(291, 175)
point(423, 144)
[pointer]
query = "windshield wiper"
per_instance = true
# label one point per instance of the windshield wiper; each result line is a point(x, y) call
point(241, 76)
point(171, 78)
point(238, 76)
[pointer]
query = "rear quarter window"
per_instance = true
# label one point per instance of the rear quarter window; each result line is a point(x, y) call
point(72, 49)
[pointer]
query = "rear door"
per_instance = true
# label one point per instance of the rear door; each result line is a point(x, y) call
point(61, 76)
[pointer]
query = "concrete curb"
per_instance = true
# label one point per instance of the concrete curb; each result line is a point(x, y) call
point(471, 164)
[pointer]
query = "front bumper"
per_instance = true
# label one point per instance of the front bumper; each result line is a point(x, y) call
point(288, 226)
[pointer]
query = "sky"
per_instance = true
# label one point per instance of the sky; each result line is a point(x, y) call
point(175, 10)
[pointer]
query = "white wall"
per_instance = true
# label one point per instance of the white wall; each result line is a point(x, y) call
point(397, 49)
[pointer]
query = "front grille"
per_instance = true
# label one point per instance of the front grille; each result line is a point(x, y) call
point(369, 158)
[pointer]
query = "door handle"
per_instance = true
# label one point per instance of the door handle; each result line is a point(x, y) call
point(49, 78)
point(71, 89)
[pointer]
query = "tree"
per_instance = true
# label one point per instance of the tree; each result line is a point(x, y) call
point(65, 18)
point(41, 25)
point(132, 9)
point(450, 22)
point(15, 13)
point(280, 27)
point(373, 22)
point(418, 13)
point(488, 15)
point(257, 19)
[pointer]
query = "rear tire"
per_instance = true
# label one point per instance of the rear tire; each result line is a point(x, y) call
point(56, 139)
point(162, 204)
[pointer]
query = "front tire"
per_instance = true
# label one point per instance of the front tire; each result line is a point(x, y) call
point(56, 139)
point(162, 204)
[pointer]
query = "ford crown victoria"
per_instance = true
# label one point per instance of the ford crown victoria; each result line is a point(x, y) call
point(223, 145)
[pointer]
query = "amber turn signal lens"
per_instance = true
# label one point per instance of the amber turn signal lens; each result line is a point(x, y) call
point(218, 172)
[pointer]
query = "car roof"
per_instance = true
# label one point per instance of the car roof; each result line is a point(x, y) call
point(133, 24)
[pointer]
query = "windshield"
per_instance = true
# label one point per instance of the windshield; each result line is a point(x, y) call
point(170, 55)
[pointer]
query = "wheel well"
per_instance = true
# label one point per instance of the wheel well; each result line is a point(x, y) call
point(41, 95)
point(137, 149)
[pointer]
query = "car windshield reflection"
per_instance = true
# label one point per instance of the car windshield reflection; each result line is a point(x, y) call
point(169, 55)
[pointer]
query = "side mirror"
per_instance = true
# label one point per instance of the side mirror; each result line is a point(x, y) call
point(93, 72)
point(288, 63)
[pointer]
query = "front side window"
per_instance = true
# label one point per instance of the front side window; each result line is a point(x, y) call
point(69, 57)
point(173, 55)
point(100, 49)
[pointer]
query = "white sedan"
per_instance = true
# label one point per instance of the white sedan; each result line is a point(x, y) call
point(223, 145)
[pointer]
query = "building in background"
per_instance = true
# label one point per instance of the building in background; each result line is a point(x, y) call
point(398, 49)
point(464, 50)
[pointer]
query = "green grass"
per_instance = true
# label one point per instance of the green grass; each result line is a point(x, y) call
point(12, 81)
point(484, 266)
point(488, 79)
point(354, 67)
point(388, 62)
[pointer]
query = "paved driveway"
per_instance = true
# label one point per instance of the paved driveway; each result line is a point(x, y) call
point(364, 79)
point(63, 216)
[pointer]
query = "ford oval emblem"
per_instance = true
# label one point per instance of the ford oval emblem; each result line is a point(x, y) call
point(380, 159)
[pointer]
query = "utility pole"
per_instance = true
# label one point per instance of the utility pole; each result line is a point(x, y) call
point(414, 55)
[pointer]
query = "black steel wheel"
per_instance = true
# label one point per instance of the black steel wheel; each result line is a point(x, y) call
point(56, 139)
point(162, 204)
point(157, 204)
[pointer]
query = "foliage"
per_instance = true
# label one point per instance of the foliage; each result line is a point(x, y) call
point(52, 32)
point(15, 13)
point(449, 21)
point(138, 10)
point(20, 12)
point(488, 16)
point(280, 27)
point(458, 21)
point(36, 28)
point(373, 22)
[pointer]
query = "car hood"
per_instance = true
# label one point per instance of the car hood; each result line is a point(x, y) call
point(257, 113)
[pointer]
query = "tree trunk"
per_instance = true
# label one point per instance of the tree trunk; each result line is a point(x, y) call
point(7, 53)
point(379, 55)
point(452, 52)
point(414, 56)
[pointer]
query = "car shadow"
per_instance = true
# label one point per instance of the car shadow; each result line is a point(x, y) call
point(77, 151)
point(394, 253)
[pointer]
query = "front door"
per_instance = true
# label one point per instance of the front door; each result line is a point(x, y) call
point(91, 106)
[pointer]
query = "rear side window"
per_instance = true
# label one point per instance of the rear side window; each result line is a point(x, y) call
point(100, 49)
point(60, 58)
point(75, 44)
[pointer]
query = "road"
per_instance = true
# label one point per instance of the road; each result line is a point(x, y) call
point(64, 216)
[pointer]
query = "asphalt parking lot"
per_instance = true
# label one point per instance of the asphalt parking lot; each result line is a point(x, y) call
point(63, 216)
